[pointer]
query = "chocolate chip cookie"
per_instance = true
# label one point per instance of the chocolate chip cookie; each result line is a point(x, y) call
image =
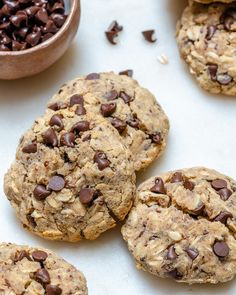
point(131, 109)
point(183, 226)
point(25, 270)
point(72, 177)
point(206, 38)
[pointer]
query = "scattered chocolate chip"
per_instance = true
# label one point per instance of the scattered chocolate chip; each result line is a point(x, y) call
point(171, 254)
point(223, 216)
point(210, 32)
point(56, 183)
point(68, 139)
point(108, 109)
point(81, 126)
point(86, 195)
point(50, 138)
point(192, 253)
point(30, 148)
point(224, 79)
point(224, 193)
point(93, 76)
point(41, 192)
point(128, 73)
point(219, 184)
point(159, 187)
point(39, 256)
point(53, 290)
point(221, 249)
point(149, 36)
point(189, 185)
point(176, 177)
point(212, 70)
point(126, 98)
point(76, 99)
point(119, 125)
point(101, 159)
point(42, 276)
point(175, 274)
point(156, 137)
point(111, 95)
point(112, 32)
point(114, 26)
point(56, 120)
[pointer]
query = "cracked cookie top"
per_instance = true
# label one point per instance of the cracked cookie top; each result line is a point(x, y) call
point(25, 270)
point(183, 225)
point(72, 177)
point(131, 109)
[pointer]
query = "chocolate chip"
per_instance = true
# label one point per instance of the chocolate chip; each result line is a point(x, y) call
point(56, 120)
point(159, 187)
point(57, 106)
point(189, 185)
point(200, 209)
point(21, 255)
point(111, 95)
point(224, 79)
point(42, 276)
point(50, 138)
point(210, 32)
point(81, 126)
point(134, 123)
point(111, 37)
point(76, 99)
point(108, 109)
point(58, 19)
point(149, 36)
point(128, 73)
point(16, 46)
point(101, 159)
point(53, 290)
point(19, 19)
point(33, 38)
point(176, 177)
point(156, 137)
point(223, 216)
point(175, 274)
point(171, 254)
point(93, 76)
point(119, 125)
point(80, 110)
point(112, 32)
point(42, 15)
point(39, 256)
point(192, 253)
point(224, 193)
point(221, 249)
point(115, 27)
point(41, 192)
point(30, 148)
point(219, 184)
point(68, 139)
point(56, 183)
point(212, 70)
point(126, 98)
point(86, 195)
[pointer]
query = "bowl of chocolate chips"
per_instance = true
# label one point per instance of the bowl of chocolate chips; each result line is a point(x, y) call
point(34, 34)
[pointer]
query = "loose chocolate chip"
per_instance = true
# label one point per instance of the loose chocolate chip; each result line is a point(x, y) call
point(159, 187)
point(58, 19)
point(53, 290)
point(224, 193)
point(30, 148)
point(175, 274)
point(80, 110)
point(19, 19)
point(189, 185)
point(42, 276)
point(41, 192)
point(39, 256)
point(21, 255)
point(192, 253)
point(86, 195)
point(114, 26)
point(68, 139)
point(76, 99)
point(119, 125)
point(128, 73)
point(112, 32)
point(221, 249)
point(56, 120)
point(223, 216)
point(101, 159)
point(111, 37)
point(111, 95)
point(108, 109)
point(171, 254)
point(219, 184)
point(149, 36)
point(156, 137)
point(93, 76)
point(176, 177)
point(56, 183)
point(126, 98)
point(80, 127)
point(212, 70)
point(50, 138)
point(210, 32)
point(50, 27)
point(33, 38)
point(42, 15)
point(224, 79)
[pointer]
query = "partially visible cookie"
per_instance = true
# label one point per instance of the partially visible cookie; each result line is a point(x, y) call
point(211, 1)
point(128, 107)
point(72, 178)
point(206, 37)
point(31, 271)
point(183, 226)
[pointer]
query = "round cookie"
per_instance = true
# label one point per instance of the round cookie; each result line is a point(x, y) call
point(183, 226)
point(206, 36)
point(72, 177)
point(31, 271)
point(131, 109)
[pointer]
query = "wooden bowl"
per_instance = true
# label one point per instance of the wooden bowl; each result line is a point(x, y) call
point(19, 64)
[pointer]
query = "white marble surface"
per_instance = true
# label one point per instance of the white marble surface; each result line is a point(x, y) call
point(202, 129)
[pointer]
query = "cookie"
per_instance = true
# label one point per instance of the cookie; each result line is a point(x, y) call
point(183, 226)
point(72, 177)
point(31, 271)
point(206, 38)
point(131, 109)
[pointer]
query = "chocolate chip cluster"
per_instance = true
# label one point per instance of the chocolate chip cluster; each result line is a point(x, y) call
point(27, 23)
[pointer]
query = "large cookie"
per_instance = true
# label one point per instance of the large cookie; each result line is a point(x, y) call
point(131, 109)
point(72, 177)
point(183, 225)
point(31, 271)
point(206, 37)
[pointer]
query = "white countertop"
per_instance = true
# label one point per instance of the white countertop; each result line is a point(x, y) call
point(202, 129)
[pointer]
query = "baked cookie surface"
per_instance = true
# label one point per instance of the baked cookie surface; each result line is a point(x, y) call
point(128, 107)
point(183, 225)
point(206, 35)
point(31, 271)
point(72, 176)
